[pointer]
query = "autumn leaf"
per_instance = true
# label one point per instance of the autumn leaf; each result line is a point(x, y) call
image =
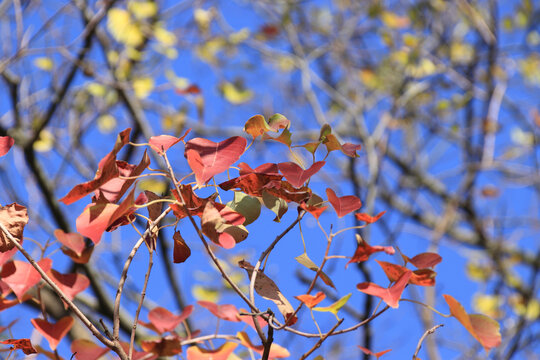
point(14, 218)
point(162, 320)
point(297, 176)
point(21, 344)
point(86, 350)
point(72, 241)
point(21, 276)
point(364, 251)
point(369, 352)
point(221, 353)
point(107, 170)
point(335, 307)
point(481, 327)
point(6, 142)
point(266, 169)
point(223, 226)
point(368, 218)
point(424, 260)
point(266, 288)
point(307, 262)
point(54, 333)
point(284, 137)
point(226, 312)
point(165, 346)
point(276, 351)
point(422, 277)
point(311, 300)
point(162, 143)
point(70, 284)
point(207, 158)
point(248, 206)
point(256, 126)
point(181, 251)
point(343, 205)
point(391, 295)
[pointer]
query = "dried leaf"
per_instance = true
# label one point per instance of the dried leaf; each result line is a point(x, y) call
point(21, 344)
point(14, 218)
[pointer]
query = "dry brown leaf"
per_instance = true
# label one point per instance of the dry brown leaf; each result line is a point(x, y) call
point(14, 217)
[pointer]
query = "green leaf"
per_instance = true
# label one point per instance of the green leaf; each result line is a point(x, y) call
point(248, 206)
point(334, 308)
point(277, 205)
point(307, 262)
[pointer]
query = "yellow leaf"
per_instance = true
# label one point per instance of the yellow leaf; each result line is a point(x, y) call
point(334, 308)
point(154, 185)
point(208, 51)
point(239, 36)
point(202, 17)
point(285, 63)
point(143, 87)
point(394, 21)
point(235, 95)
point(531, 309)
point(178, 82)
point(488, 305)
point(461, 53)
point(44, 63)
point(123, 29)
point(165, 37)
point(96, 89)
point(478, 272)
point(143, 9)
point(106, 123)
point(205, 294)
point(45, 141)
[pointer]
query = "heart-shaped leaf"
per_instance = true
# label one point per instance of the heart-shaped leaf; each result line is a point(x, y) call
point(364, 251)
point(297, 176)
point(248, 206)
point(21, 344)
point(369, 352)
point(107, 170)
point(221, 353)
point(73, 241)
point(165, 346)
point(368, 218)
point(267, 169)
point(311, 300)
point(481, 327)
point(14, 217)
point(207, 158)
point(343, 205)
point(226, 312)
point(390, 296)
point(424, 260)
point(162, 320)
point(162, 143)
point(87, 350)
point(21, 276)
point(70, 284)
point(54, 333)
point(6, 142)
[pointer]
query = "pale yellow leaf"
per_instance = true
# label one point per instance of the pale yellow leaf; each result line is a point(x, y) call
point(123, 28)
point(143, 86)
point(106, 123)
point(45, 141)
point(165, 37)
point(142, 9)
point(44, 63)
point(234, 95)
point(96, 89)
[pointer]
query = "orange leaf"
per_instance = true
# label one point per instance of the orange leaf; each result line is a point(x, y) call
point(221, 353)
point(364, 251)
point(162, 320)
point(54, 333)
point(73, 241)
point(226, 312)
point(21, 344)
point(70, 284)
point(369, 352)
point(390, 296)
point(368, 218)
point(86, 350)
point(422, 277)
point(21, 276)
point(311, 300)
point(425, 260)
point(166, 346)
point(276, 351)
point(481, 327)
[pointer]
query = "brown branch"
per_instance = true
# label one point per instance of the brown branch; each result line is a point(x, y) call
point(428, 332)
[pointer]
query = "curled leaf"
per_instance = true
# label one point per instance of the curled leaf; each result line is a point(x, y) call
point(368, 218)
point(311, 300)
point(343, 205)
point(364, 251)
point(21, 344)
point(391, 295)
point(14, 218)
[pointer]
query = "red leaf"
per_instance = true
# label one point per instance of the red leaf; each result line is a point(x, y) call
point(83, 258)
point(207, 158)
point(248, 319)
point(481, 327)
point(425, 260)
point(114, 189)
point(343, 205)
point(350, 149)
point(70, 284)
point(390, 296)
point(311, 300)
point(267, 169)
point(368, 218)
point(226, 312)
point(54, 333)
point(98, 217)
point(166, 346)
point(422, 277)
point(222, 226)
point(21, 344)
point(181, 250)
point(252, 183)
point(191, 89)
point(162, 143)
point(6, 142)
point(364, 251)
point(316, 211)
point(86, 350)
point(221, 353)
point(73, 241)
point(296, 175)
point(162, 320)
point(107, 170)
point(21, 276)
point(276, 351)
point(369, 352)
point(6, 256)
point(14, 217)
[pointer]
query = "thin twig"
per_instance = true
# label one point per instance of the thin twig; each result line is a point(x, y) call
point(321, 340)
point(428, 332)
point(141, 301)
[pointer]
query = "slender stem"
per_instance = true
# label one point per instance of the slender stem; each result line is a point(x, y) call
point(319, 343)
point(427, 306)
point(428, 332)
